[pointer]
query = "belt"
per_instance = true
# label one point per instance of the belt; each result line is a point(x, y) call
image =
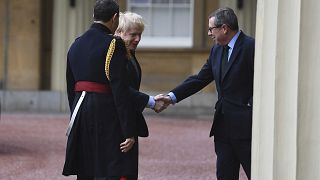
point(92, 87)
point(85, 86)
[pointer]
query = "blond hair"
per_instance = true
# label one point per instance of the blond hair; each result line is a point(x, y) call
point(129, 20)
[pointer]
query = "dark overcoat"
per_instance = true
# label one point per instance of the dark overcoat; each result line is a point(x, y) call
point(234, 87)
point(104, 120)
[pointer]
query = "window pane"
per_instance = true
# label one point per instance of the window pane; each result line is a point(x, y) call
point(181, 22)
point(168, 23)
point(160, 22)
point(160, 1)
point(146, 17)
point(139, 1)
point(181, 1)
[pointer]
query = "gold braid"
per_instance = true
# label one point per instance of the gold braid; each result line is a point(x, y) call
point(108, 57)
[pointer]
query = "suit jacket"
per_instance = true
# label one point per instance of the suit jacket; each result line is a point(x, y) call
point(233, 110)
point(139, 99)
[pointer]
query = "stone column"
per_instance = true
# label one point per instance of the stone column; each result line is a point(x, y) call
point(60, 44)
point(308, 139)
point(68, 23)
point(286, 101)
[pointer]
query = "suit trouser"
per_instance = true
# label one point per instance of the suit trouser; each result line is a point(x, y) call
point(231, 153)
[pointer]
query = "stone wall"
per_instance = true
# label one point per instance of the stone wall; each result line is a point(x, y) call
point(200, 104)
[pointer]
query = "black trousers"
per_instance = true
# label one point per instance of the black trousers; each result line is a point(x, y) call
point(230, 155)
point(108, 178)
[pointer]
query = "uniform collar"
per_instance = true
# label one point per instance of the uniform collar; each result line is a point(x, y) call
point(101, 27)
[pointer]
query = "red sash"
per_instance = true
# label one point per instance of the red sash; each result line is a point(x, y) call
point(92, 87)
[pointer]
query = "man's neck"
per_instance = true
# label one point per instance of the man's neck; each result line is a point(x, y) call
point(106, 24)
point(231, 35)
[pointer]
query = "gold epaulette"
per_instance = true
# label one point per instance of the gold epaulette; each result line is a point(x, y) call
point(112, 46)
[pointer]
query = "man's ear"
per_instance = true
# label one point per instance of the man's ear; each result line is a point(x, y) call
point(114, 17)
point(225, 28)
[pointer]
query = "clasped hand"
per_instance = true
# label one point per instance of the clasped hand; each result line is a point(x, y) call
point(127, 144)
point(162, 102)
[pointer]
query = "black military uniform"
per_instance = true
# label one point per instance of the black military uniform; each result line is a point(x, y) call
point(108, 116)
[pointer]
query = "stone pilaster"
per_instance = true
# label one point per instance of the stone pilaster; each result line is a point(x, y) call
point(286, 100)
point(68, 23)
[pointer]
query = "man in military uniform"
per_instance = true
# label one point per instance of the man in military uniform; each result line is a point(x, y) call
point(107, 113)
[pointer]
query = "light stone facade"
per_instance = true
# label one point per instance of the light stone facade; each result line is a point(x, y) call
point(286, 100)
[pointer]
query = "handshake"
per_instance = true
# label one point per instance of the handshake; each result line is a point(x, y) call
point(162, 102)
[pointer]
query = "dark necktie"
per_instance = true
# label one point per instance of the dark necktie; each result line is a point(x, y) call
point(224, 59)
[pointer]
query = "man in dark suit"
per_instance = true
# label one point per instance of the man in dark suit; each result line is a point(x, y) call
point(231, 66)
point(130, 29)
point(106, 111)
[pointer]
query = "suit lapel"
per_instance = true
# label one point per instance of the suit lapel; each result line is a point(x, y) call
point(136, 69)
point(139, 70)
point(219, 57)
point(236, 49)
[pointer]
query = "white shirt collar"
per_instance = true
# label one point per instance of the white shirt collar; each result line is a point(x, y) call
point(233, 40)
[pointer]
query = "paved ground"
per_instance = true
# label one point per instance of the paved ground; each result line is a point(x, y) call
point(32, 148)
